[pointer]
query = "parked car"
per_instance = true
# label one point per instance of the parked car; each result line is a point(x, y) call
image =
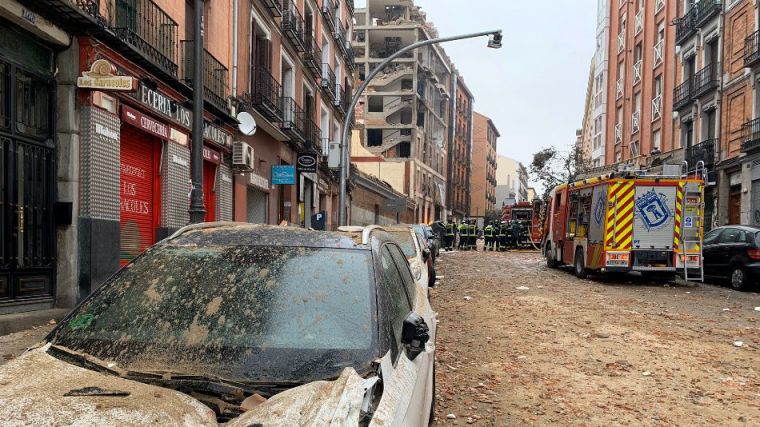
point(243, 325)
point(417, 254)
point(733, 253)
point(429, 239)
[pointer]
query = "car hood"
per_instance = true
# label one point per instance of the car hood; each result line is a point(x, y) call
point(32, 389)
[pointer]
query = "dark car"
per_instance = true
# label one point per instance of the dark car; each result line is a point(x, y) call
point(733, 253)
point(219, 313)
point(431, 240)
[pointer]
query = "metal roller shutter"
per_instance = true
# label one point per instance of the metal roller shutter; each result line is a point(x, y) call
point(136, 195)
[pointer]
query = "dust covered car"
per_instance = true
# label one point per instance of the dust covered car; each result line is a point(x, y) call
point(238, 324)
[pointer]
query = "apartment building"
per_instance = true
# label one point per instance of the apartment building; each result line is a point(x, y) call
point(294, 74)
point(508, 180)
point(460, 149)
point(600, 90)
point(697, 95)
point(641, 70)
point(585, 135)
point(484, 166)
point(405, 111)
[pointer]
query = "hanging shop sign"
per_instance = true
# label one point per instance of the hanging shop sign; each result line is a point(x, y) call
point(307, 163)
point(212, 156)
point(102, 76)
point(283, 175)
point(258, 181)
point(182, 115)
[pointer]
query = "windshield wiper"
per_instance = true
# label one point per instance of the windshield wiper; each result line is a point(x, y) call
point(84, 360)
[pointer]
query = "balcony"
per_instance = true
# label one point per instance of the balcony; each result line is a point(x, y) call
point(340, 36)
point(685, 25)
point(657, 108)
point(658, 6)
point(752, 49)
point(340, 99)
point(618, 133)
point(312, 56)
point(292, 25)
point(214, 75)
point(638, 22)
point(75, 16)
point(265, 96)
point(706, 80)
point(621, 41)
point(705, 10)
point(635, 122)
point(350, 6)
point(313, 137)
point(705, 151)
point(682, 95)
point(659, 51)
point(619, 88)
point(328, 12)
point(148, 29)
point(293, 120)
point(273, 6)
point(328, 81)
point(751, 136)
point(637, 71)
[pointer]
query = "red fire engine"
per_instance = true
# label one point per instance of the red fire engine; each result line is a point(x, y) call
point(627, 221)
point(529, 214)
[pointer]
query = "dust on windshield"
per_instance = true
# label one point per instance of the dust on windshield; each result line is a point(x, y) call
point(247, 312)
point(406, 241)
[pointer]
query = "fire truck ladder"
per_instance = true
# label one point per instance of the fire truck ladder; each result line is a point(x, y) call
point(701, 173)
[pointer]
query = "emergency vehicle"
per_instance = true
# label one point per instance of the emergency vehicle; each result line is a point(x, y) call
point(628, 221)
point(527, 213)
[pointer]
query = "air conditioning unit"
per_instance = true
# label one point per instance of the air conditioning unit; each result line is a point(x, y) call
point(242, 157)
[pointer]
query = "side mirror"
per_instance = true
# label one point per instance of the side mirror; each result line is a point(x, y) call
point(414, 335)
point(426, 253)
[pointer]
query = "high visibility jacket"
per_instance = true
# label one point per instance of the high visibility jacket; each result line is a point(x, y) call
point(449, 229)
point(488, 231)
point(463, 229)
point(503, 230)
point(473, 230)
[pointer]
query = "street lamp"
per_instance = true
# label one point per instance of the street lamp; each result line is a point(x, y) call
point(197, 210)
point(494, 42)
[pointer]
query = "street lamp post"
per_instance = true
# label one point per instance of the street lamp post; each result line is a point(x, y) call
point(197, 210)
point(494, 42)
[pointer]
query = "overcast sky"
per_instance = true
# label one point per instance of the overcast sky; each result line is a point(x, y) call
point(535, 86)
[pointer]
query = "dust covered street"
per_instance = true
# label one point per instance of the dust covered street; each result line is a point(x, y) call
point(519, 344)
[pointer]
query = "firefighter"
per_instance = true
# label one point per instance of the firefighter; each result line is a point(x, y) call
point(463, 235)
point(450, 235)
point(473, 235)
point(501, 234)
point(488, 236)
point(516, 231)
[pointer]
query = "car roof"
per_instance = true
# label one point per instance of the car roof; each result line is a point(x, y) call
point(242, 234)
point(740, 227)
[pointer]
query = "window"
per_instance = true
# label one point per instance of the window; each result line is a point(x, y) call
point(732, 235)
point(395, 296)
point(712, 237)
point(406, 274)
point(656, 140)
point(658, 86)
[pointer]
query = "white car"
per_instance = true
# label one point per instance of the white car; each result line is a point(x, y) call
point(239, 325)
point(419, 257)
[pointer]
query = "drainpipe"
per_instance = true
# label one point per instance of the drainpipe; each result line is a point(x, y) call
point(234, 47)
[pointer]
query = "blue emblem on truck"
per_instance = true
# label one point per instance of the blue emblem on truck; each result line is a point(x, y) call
point(653, 210)
point(599, 211)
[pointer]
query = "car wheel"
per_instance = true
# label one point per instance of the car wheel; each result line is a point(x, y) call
point(550, 261)
point(738, 278)
point(580, 264)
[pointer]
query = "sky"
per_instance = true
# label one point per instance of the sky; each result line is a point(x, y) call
point(534, 87)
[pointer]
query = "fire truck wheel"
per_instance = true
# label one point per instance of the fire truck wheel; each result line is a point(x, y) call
point(550, 261)
point(580, 264)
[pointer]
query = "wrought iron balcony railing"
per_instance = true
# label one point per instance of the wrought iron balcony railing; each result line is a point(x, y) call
point(214, 75)
point(706, 151)
point(350, 6)
point(751, 136)
point(621, 41)
point(685, 25)
point(328, 12)
point(293, 120)
point(637, 71)
point(313, 136)
point(635, 122)
point(312, 56)
point(328, 81)
point(706, 9)
point(682, 94)
point(657, 108)
point(752, 49)
point(658, 5)
point(265, 95)
point(619, 88)
point(340, 99)
point(659, 51)
point(707, 79)
point(150, 30)
point(292, 25)
point(618, 133)
point(274, 6)
point(638, 22)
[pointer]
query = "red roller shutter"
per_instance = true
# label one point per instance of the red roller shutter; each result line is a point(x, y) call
point(137, 196)
point(209, 193)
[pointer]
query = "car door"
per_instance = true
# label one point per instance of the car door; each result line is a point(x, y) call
point(407, 382)
point(710, 250)
point(730, 242)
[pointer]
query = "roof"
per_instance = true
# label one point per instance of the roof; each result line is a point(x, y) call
point(751, 228)
point(242, 234)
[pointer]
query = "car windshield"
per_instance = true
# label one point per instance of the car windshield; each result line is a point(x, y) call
point(248, 313)
point(406, 241)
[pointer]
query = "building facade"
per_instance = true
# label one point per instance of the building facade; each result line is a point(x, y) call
point(484, 166)
point(460, 149)
point(405, 112)
point(585, 135)
point(601, 76)
point(508, 180)
point(640, 80)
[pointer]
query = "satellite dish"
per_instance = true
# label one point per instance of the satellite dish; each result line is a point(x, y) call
point(247, 124)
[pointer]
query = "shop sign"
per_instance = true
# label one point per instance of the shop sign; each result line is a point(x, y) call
point(108, 133)
point(307, 163)
point(141, 121)
point(216, 135)
point(258, 181)
point(283, 175)
point(179, 160)
point(212, 156)
point(102, 76)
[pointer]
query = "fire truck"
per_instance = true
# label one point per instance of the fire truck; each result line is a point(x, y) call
point(528, 214)
point(628, 221)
